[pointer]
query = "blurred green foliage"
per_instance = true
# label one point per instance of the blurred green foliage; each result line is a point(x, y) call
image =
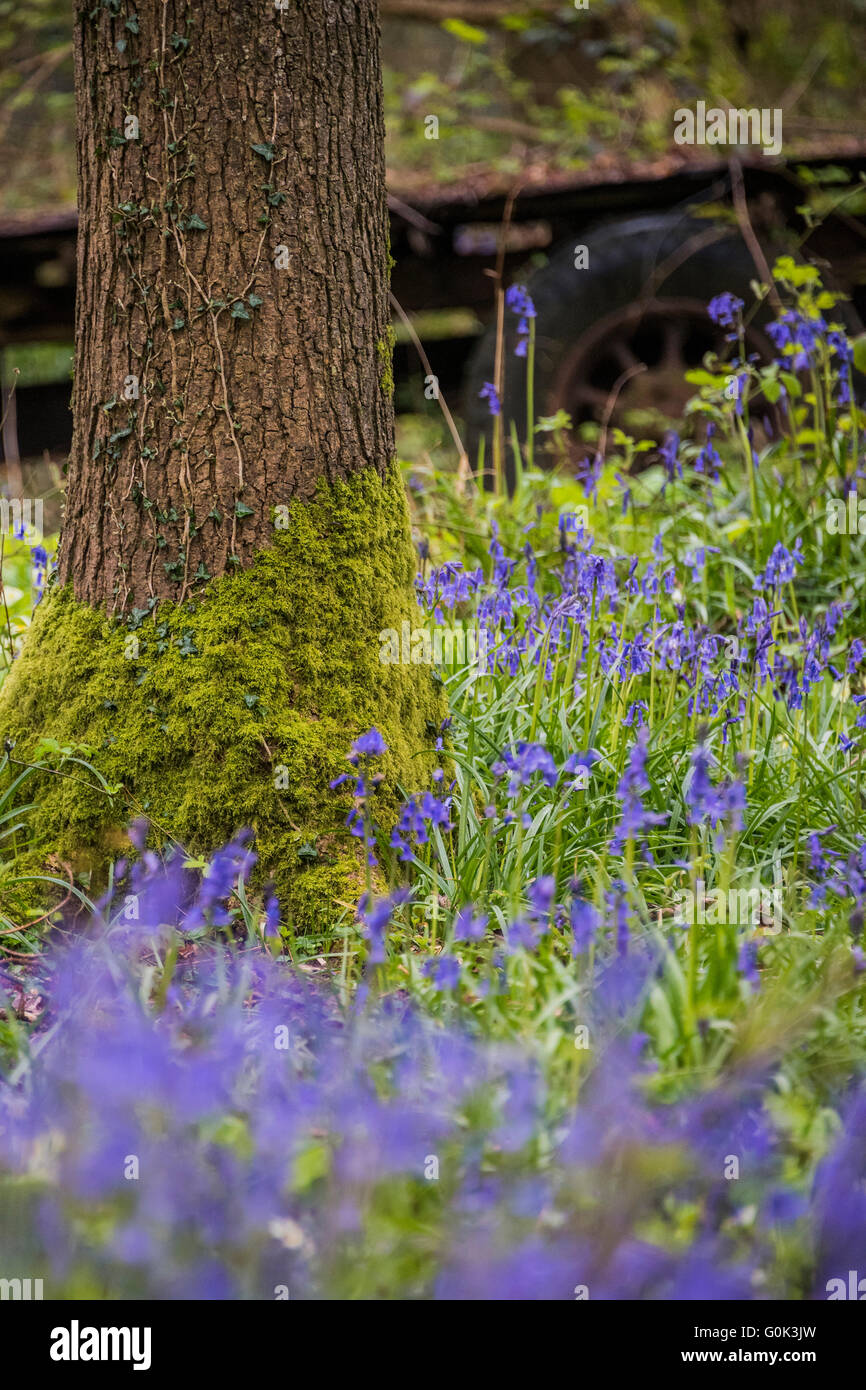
point(551, 88)
point(561, 87)
point(37, 108)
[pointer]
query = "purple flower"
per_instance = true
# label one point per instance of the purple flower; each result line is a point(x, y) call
point(272, 916)
point(747, 963)
point(375, 915)
point(530, 760)
point(416, 815)
point(444, 971)
point(632, 785)
point(540, 893)
point(706, 801)
point(468, 926)
point(519, 302)
point(369, 745)
point(709, 460)
point(523, 935)
point(796, 337)
point(724, 309)
point(617, 906)
point(227, 867)
point(781, 566)
point(584, 923)
point(489, 394)
point(669, 454)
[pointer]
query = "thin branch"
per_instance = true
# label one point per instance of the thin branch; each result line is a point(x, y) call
point(449, 418)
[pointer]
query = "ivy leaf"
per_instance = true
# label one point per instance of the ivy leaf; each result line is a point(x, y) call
point(254, 301)
point(195, 224)
point(242, 510)
point(251, 701)
point(239, 311)
point(132, 24)
point(266, 151)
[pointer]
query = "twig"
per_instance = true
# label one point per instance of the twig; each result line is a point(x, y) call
point(620, 382)
point(425, 361)
point(741, 208)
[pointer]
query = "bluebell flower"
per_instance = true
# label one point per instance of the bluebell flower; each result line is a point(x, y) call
point(796, 337)
point(528, 761)
point(669, 454)
point(747, 963)
point(724, 309)
point(369, 745)
point(584, 920)
point(633, 784)
point(444, 971)
point(469, 925)
point(375, 915)
point(519, 302)
point(781, 566)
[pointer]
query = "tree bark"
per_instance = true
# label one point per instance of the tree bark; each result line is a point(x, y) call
point(232, 318)
point(236, 540)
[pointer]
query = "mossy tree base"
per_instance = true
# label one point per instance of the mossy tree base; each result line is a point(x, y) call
point(238, 709)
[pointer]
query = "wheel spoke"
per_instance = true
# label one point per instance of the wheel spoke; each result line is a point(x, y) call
point(624, 354)
point(591, 396)
point(672, 343)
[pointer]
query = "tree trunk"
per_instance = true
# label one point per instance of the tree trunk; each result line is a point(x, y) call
point(232, 314)
point(236, 535)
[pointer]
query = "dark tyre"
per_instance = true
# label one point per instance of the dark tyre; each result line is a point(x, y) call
point(641, 301)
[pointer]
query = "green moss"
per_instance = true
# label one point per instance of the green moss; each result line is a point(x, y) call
point(239, 710)
point(385, 351)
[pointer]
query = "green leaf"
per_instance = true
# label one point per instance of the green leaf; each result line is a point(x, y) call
point(195, 224)
point(266, 151)
point(467, 32)
point(242, 510)
point(239, 311)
